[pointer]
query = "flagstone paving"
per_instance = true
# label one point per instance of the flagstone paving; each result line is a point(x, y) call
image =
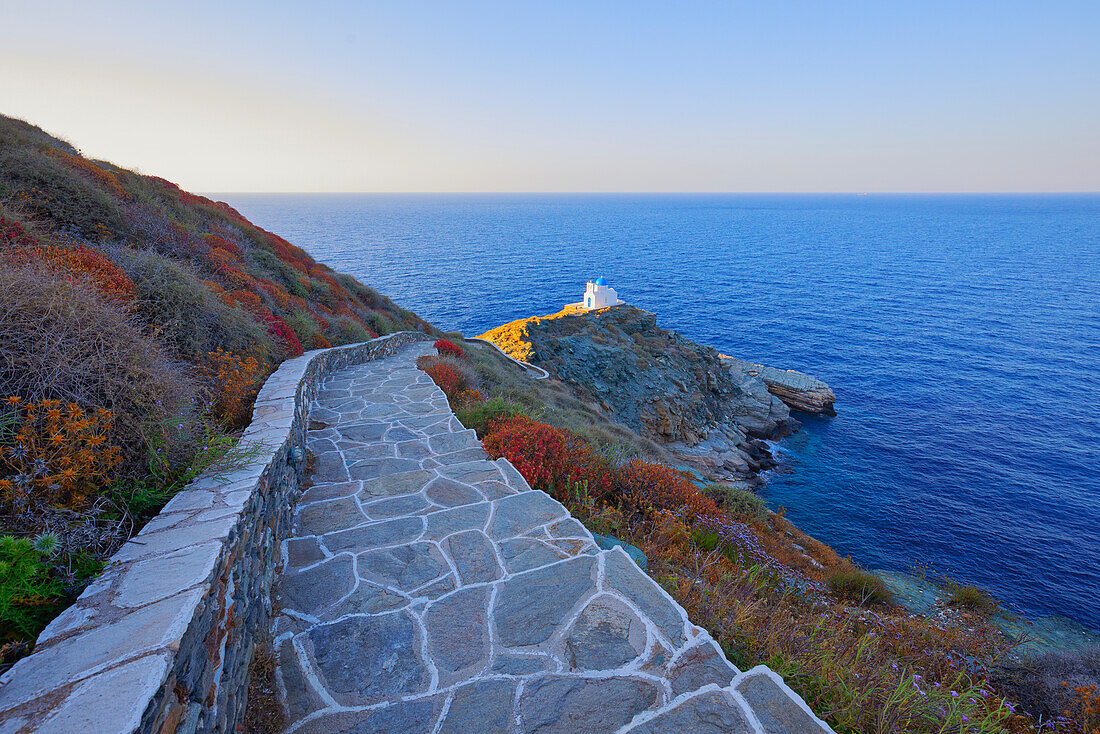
point(429, 589)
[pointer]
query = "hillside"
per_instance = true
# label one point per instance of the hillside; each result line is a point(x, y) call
point(137, 322)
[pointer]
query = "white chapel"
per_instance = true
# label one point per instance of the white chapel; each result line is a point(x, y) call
point(598, 294)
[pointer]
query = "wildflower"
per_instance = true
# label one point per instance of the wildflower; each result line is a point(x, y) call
point(954, 694)
point(13, 400)
point(39, 466)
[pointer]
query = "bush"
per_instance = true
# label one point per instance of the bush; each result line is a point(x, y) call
point(649, 487)
point(859, 586)
point(188, 315)
point(71, 260)
point(447, 377)
point(343, 330)
point(235, 380)
point(479, 416)
point(549, 458)
point(969, 597)
point(448, 348)
point(59, 341)
point(29, 597)
point(54, 455)
point(740, 503)
point(381, 324)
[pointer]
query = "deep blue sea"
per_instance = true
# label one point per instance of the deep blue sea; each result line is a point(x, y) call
point(960, 333)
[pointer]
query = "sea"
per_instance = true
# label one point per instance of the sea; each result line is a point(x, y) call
point(961, 334)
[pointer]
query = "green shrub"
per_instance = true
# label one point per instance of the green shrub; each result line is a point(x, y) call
point(280, 271)
point(859, 586)
point(187, 315)
point(480, 415)
point(740, 503)
point(343, 330)
point(704, 539)
point(29, 597)
point(53, 190)
point(381, 323)
point(304, 326)
point(969, 597)
point(209, 450)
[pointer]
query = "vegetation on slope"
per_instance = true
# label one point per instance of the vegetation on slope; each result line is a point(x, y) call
point(137, 322)
point(766, 591)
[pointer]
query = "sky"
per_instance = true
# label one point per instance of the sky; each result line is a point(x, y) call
point(829, 96)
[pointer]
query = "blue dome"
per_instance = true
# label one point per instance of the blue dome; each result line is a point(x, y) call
point(601, 281)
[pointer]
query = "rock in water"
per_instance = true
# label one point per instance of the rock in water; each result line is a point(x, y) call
point(659, 383)
point(798, 390)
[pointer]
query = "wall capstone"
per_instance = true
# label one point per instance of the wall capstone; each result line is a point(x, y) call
point(161, 641)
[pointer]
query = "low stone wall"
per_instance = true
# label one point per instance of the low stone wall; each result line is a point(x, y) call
point(161, 641)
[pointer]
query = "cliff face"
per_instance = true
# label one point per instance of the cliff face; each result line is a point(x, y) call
point(657, 382)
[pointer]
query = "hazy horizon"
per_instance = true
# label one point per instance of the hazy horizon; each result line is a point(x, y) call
point(430, 97)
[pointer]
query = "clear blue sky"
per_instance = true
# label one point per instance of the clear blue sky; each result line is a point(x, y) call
point(569, 96)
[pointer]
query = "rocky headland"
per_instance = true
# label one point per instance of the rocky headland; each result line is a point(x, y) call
point(713, 412)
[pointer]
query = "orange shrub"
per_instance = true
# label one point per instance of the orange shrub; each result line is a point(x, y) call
point(236, 380)
point(469, 396)
point(650, 487)
point(221, 243)
point(78, 262)
point(57, 455)
point(226, 265)
point(105, 178)
point(447, 377)
point(549, 458)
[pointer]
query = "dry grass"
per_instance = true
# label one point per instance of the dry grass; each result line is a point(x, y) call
point(62, 342)
point(263, 712)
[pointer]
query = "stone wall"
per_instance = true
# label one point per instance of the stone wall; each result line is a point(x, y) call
point(161, 641)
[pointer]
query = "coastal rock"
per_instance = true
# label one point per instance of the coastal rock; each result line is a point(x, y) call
point(797, 390)
point(660, 384)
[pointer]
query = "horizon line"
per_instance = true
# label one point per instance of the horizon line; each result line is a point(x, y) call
point(664, 193)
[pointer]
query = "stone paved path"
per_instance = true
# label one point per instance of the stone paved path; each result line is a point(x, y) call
point(428, 589)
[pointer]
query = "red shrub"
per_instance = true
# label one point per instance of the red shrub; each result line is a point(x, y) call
point(549, 458)
point(227, 266)
point(13, 234)
point(448, 348)
point(282, 333)
point(447, 377)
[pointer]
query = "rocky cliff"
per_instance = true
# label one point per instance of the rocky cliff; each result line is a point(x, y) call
point(713, 415)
